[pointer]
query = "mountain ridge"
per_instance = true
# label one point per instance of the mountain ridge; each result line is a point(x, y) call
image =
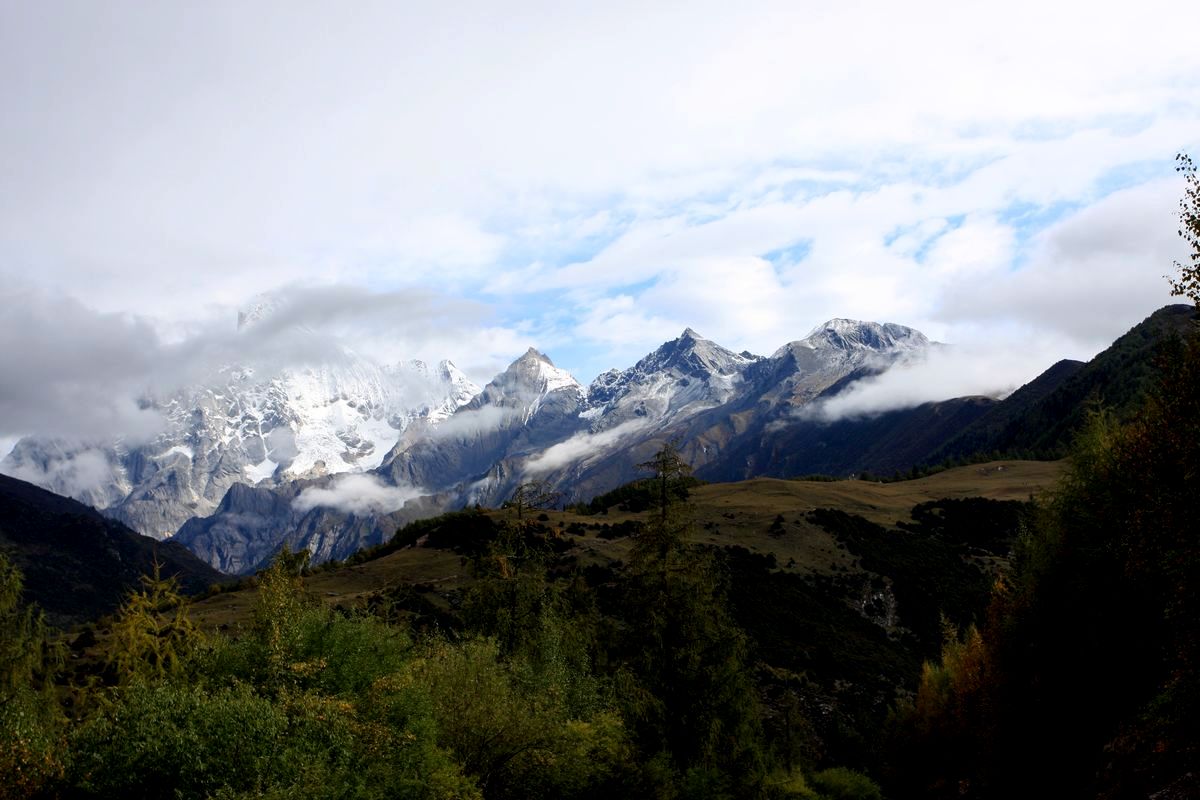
point(732, 415)
point(79, 564)
point(242, 428)
point(534, 420)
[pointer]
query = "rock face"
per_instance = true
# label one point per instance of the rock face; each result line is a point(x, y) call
point(253, 464)
point(535, 421)
point(530, 406)
point(242, 429)
point(253, 522)
point(689, 390)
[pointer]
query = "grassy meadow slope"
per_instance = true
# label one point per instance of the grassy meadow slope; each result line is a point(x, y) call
point(725, 514)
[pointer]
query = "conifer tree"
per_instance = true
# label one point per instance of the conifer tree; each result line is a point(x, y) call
point(153, 633)
point(23, 642)
point(30, 720)
point(693, 698)
point(532, 495)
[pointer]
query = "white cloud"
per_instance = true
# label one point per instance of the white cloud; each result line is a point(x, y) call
point(552, 162)
point(992, 369)
point(469, 423)
point(71, 371)
point(79, 471)
point(579, 447)
point(356, 494)
point(1089, 277)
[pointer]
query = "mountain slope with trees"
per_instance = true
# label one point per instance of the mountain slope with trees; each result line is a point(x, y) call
point(79, 564)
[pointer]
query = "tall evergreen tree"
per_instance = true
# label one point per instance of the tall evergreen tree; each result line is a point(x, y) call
point(688, 689)
point(153, 633)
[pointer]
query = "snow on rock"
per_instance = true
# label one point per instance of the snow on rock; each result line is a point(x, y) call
point(680, 378)
point(242, 428)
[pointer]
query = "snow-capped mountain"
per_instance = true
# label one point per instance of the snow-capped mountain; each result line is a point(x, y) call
point(840, 349)
point(678, 379)
point(532, 421)
point(849, 335)
point(241, 428)
point(528, 407)
point(690, 389)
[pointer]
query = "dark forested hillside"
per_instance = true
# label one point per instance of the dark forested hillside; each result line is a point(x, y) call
point(881, 444)
point(1085, 669)
point(1039, 420)
point(1036, 421)
point(77, 563)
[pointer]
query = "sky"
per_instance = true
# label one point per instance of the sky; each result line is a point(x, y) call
point(466, 180)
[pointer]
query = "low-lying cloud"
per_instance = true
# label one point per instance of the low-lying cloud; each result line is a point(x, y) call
point(472, 422)
point(83, 472)
point(76, 373)
point(579, 447)
point(356, 494)
point(944, 373)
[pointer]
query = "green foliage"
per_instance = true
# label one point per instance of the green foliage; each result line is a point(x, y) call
point(638, 496)
point(152, 634)
point(166, 738)
point(527, 547)
point(310, 703)
point(277, 620)
point(26, 656)
point(929, 570)
point(1188, 283)
point(839, 783)
point(511, 724)
point(670, 470)
point(31, 746)
point(465, 532)
point(30, 722)
point(833, 672)
point(1085, 669)
point(684, 679)
point(536, 680)
point(175, 740)
point(977, 524)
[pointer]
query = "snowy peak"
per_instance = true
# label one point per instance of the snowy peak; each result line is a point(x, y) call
point(535, 372)
point(526, 385)
point(461, 388)
point(693, 355)
point(432, 393)
point(680, 378)
point(838, 350)
point(851, 334)
point(341, 415)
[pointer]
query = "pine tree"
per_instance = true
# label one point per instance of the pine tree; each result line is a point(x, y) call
point(25, 655)
point(691, 693)
point(153, 633)
point(532, 495)
point(30, 719)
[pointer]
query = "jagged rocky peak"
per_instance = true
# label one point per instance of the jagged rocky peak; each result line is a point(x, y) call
point(692, 354)
point(681, 377)
point(853, 334)
point(534, 370)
